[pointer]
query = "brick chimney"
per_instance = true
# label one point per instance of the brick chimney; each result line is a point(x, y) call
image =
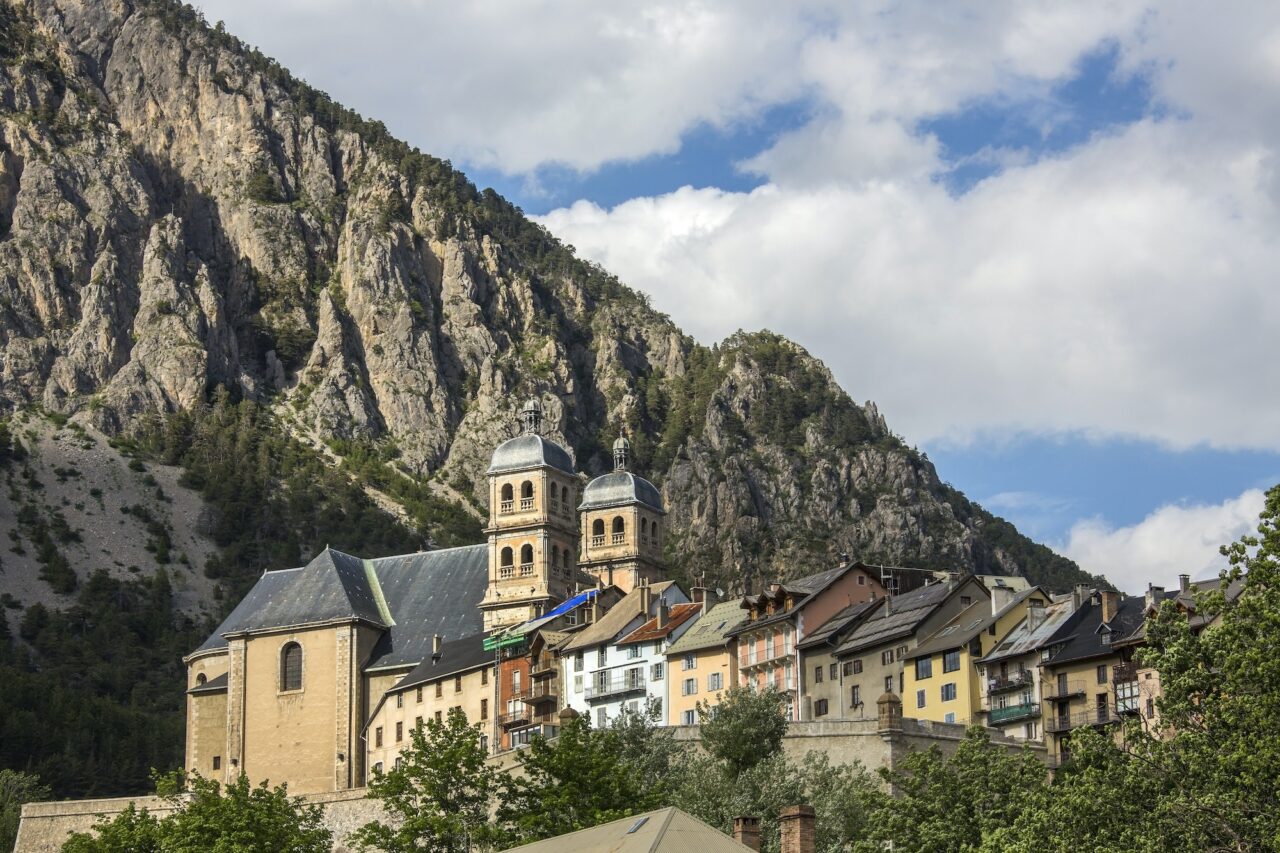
point(1110, 604)
point(746, 831)
point(796, 823)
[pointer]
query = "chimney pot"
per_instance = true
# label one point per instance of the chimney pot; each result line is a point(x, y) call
point(1184, 583)
point(797, 829)
point(1154, 595)
point(746, 831)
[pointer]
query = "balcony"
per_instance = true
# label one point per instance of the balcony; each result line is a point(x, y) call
point(619, 539)
point(526, 504)
point(505, 507)
point(770, 655)
point(1054, 690)
point(517, 714)
point(616, 686)
point(597, 541)
point(543, 665)
point(526, 570)
point(543, 691)
point(1124, 672)
point(1060, 723)
point(1010, 713)
point(1013, 681)
point(506, 572)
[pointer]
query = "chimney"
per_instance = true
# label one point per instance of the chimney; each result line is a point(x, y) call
point(888, 603)
point(1078, 597)
point(1155, 594)
point(1001, 596)
point(844, 559)
point(646, 596)
point(796, 823)
point(746, 831)
point(1184, 583)
point(1035, 614)
point(1110, 604)
point(435, 647)
point(663, 613)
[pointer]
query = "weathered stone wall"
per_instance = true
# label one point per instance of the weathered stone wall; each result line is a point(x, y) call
point(45, 826)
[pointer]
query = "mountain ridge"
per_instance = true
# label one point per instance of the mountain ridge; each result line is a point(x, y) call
point(205, 219)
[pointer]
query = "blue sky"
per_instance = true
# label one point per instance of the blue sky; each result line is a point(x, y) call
point(1040, 236)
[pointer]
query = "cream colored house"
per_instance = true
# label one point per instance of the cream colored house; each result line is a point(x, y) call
point(703, 663)
point(457, 675)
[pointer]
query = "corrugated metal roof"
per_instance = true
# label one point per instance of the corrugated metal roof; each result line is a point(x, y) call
point(712, 629)
point(1024, 639)
point(967, 624)
point(906, 612)
point(846, 619)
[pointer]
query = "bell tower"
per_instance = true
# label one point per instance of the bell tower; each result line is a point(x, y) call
point(623, 525)
point(533, 526)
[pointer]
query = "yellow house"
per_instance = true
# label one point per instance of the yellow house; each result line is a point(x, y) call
point(941, 681)
point(456, 675)
point(703, 663)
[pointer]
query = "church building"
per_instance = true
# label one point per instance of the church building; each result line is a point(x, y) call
point(285, 688)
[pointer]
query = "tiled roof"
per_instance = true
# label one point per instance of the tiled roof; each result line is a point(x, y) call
point(411, 597)
point(677, 615)
point(712, 629)
point(616, 619)
point(668, 830)
point(905, 614)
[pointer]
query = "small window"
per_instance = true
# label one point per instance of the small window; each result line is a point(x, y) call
point(439, 689)
point(439, 716)
point(508, 494)
point(855, 696)
point(601, 656)
point(833, 671)
point(526, 554)
point(484, 675)
point(377, 736)
point(924, 668)
point(820, 708)
point(377, 768)
point(688, 718)
point(886, 657)
point(690, 661)
point(657, 671)
point(291, 667)
point(690, 687)
point(857, 666)
point(1102, 673)
point(602, 718)
point(399, 700)
point(217, 762)
point(633, 651)
point(526, 490)
point(399, 732)
point(715, 681)
point(619, 526)
point(817, 675)
point(920, 699)
point(949, 717)
point(484, 709)
point(597, 527)
point(577, 662)
point(966, 600)
point(847, 668)
point(951, 661)
point(507, 557)
point(417, 723)
point(200, 680)
point(419, 694)
point(862, 580)
point(888, 684)
point(949, 691)
point(457, 684)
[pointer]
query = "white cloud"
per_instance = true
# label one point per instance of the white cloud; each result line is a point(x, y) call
point(1125, 287)
point(1172, 540)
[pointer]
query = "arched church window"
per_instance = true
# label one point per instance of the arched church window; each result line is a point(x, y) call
point(506, 557)
point(526, 495)
point(644, 530)
point(555, 556)
point(526, 559)
point(508, 498)
point(597, 532)
point(291, 667)
point(619, 530)
point(200, 680)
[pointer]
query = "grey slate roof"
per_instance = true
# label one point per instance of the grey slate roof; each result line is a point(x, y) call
point(618, 488)
point(907, 611)
point(967, 624)
point(529, 451)
point(804, 590)
point(457, 657)
point(1080, 637)
point(841, 621)
point(213, 685)
point(411, 597)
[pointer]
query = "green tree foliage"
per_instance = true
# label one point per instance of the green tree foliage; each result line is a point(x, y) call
point(93, 698)
point(746, 727)
point(439, 795)
point(239, 818)
point(15, 789)
point(950, 804)
point(580, 779)
point(260, 187)
point(273, 500)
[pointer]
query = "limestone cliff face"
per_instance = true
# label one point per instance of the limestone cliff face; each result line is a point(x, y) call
point(177, 212)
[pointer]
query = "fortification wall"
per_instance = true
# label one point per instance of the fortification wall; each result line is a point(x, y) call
point(45, 826)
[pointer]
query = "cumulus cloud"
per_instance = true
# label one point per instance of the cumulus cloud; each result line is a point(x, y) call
point(1172, 540)
point(1123, 287)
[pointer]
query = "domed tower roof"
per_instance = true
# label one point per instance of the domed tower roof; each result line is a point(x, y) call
point(619, 488)
point(529, 451)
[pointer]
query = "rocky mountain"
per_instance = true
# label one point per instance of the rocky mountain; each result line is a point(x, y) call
point(178, 213)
